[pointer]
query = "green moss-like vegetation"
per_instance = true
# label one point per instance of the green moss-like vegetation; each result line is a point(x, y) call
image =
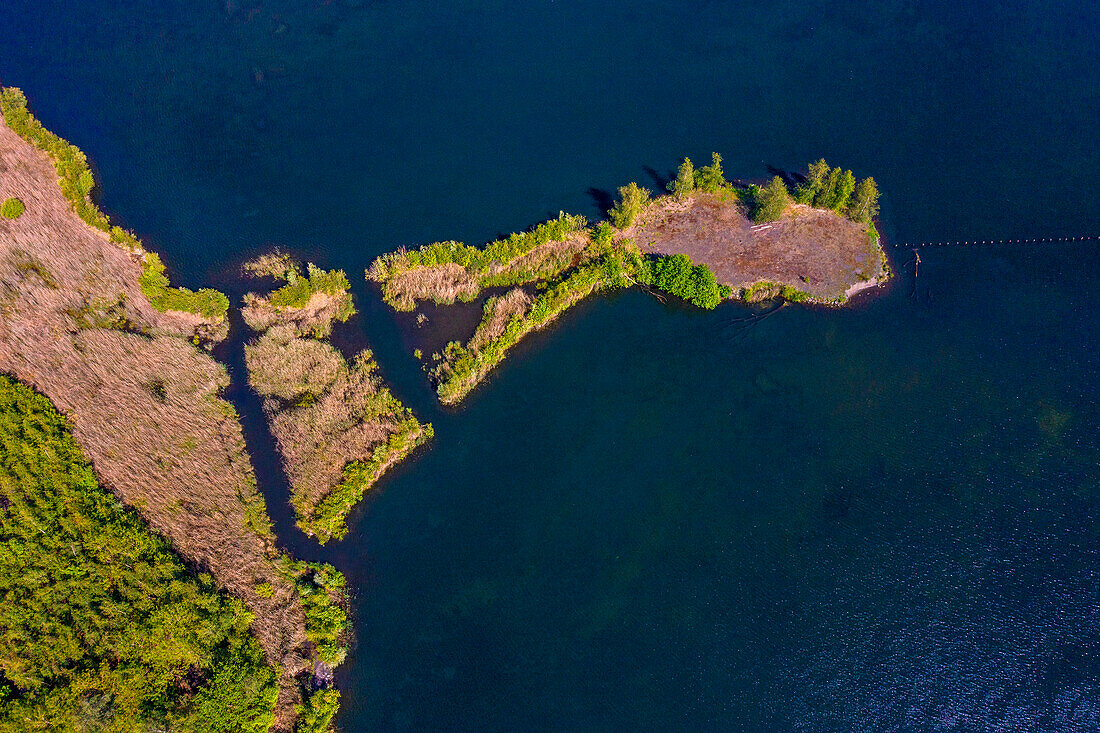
point(103, 628)
point(12, 208)
point(329, 517)
point(76, 181)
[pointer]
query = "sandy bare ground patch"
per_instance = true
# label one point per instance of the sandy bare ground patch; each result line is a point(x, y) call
point(143, 401)
point(812, 250)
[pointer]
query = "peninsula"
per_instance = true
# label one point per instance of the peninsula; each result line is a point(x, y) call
point(707, 240)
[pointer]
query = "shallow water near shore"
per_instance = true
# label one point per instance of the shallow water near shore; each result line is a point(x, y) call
point(881, 518)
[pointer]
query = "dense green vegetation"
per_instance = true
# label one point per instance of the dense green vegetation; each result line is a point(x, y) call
point(12, 208)
point(76, 181)
point(832, 188)
point(102, 626)
point(328, 518)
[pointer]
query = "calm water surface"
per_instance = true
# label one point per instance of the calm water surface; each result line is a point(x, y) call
point(877, 519)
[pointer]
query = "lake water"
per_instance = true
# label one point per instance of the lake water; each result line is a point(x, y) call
point(883, 518)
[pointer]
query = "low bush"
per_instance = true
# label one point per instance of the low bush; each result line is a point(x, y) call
point(677, 276)
point(12, 208)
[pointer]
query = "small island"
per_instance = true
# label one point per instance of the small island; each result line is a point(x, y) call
point(337, 427)
point(809, 241)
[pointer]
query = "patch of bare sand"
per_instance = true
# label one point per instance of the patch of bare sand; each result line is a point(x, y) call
point(813, 250)
point(143, 401)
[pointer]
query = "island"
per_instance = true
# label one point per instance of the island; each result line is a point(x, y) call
point(812, 240)
point(337, 426)
point(88, 320)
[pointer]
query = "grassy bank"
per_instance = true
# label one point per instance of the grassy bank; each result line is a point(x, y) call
point(77, 182)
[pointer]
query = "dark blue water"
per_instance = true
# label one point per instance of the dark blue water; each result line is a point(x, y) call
point(876, 519)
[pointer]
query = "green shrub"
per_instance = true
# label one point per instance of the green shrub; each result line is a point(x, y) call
point(97, 613)
point(709, 178)
point(316, 713)
point(632, 201)
point(864, 204)
point(771, 201)
point(13, 208)
point(299, 290)
point(696, 284)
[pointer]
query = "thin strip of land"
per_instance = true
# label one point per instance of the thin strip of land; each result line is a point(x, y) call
point(88, 321)
point(706, 241)
point(337, 426)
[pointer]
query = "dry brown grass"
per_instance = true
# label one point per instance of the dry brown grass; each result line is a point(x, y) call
point(344, 424)
point(439, 283)
point(315, 318)
point(813, 250)
point(143, 401)
point(288, 368)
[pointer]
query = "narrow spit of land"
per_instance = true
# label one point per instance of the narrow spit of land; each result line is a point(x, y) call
point(337, 426)
point(706, 242)
point(87, 319)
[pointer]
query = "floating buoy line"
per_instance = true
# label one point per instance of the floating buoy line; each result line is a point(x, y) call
point(972, 242)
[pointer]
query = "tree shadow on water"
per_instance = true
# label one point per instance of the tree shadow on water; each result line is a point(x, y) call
point(603, 199)
point(660, 180)
point(791, 178)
